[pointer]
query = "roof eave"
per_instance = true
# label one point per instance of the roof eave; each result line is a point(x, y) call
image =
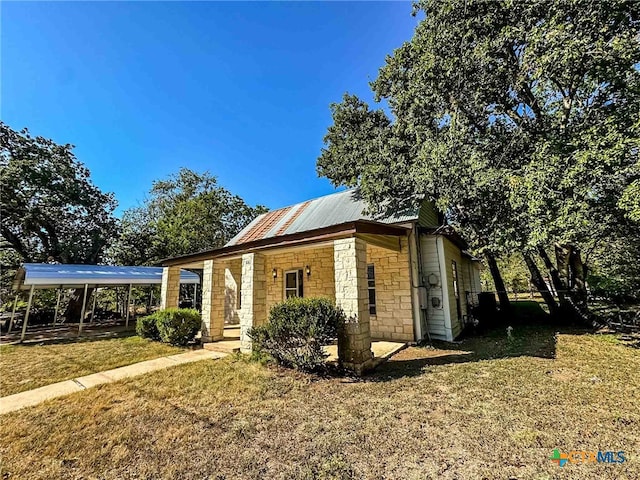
point(311, 236)
point(449, 232)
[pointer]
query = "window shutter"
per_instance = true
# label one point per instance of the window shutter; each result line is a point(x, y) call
point(300, 277)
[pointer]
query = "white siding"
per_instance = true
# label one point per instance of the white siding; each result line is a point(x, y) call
point(437, 255)
point(453, 253)
point(430, 257)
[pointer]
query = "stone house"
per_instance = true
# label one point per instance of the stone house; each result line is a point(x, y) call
point(400, 276)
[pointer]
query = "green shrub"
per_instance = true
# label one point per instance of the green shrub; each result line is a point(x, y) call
point(296, 331)
point(177, 326)
point(146, 327)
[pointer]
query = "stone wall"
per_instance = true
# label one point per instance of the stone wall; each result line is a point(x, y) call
point(394, 315)
point(350, 259)
point(319, 284)
point(232, 289)
point(213, 291)
point(253, 312)
point(394, 312)
point(170, 291)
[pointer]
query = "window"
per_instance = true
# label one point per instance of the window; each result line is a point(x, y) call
point(454, 268)
point(456, 288)
point(293, 283)
point(371, 283)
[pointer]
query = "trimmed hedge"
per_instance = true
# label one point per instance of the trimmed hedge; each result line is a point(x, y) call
point(296, 331)
point(146, 327)
point(177, 326)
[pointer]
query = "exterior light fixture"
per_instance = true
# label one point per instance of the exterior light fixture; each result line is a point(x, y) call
point(274, 272)
point(307, 269)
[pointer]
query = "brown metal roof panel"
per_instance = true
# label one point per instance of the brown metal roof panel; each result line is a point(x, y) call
point(266, 224)
point(246, 229)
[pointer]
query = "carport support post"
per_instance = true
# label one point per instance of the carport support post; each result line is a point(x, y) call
point(84, 308)
point(26, 316)
point(93, 307)
point(126, 324)
point(55, 315)
point(195, 294)
point(13, 312)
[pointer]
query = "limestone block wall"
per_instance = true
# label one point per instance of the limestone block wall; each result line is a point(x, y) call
point(320, 283)
point(232, 290)
point(170, 290)
point(213, 291)
point(350, 259)
point(253, 311)
point(394, 312)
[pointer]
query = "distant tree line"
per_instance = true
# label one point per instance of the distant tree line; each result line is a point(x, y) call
point(52, 212)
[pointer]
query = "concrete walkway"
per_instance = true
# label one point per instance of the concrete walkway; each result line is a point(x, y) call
point(38, 395)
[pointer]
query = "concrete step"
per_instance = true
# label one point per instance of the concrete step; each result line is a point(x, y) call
point(224, 346)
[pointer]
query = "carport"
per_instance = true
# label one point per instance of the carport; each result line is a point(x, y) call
point(41, 276)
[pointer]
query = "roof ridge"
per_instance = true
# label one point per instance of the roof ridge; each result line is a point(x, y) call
point(317, 198)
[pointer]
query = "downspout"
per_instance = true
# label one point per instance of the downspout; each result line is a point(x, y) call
point(424, 315)
point(415, 276)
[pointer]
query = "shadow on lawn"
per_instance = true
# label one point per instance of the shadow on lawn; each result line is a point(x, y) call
point(68, 335)
point(537, 340)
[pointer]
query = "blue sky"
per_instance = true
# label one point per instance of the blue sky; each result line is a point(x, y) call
point(239, 89)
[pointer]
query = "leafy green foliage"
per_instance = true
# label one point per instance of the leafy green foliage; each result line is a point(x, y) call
point(297, 330)
point(146, 327)
point(514, 273)
point(519, 119)
point(177, 326)
point(615, 271)
point(630, 200)
point(50, 209)
point(186, 213)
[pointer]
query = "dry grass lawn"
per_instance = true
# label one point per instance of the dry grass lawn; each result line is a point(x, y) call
point(24, 367)
point(488, 408)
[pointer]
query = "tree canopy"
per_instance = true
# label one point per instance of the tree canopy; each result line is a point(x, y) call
point(187, 212)
point(519, 119)
point(51, 211)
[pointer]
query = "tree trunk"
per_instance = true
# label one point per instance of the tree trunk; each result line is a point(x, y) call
point(553, 272)
point(573, 274)
point(74, 307)
point(579, 278)
point(541, 285)
point(503, 298)
point(563, 268)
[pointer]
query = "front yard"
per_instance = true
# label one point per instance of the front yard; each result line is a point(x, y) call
point(487, 408)
point(24, 367)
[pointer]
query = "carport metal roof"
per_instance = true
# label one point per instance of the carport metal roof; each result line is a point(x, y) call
point(44, 275)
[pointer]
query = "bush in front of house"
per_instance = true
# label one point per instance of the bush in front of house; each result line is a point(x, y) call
point(146, 327)
point(297, 330)
point(177, 326)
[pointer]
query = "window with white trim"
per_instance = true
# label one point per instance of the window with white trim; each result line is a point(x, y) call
point(371, 283)
point(293, 283)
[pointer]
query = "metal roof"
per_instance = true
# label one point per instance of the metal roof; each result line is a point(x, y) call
point(335, 209)
point(45, 275)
